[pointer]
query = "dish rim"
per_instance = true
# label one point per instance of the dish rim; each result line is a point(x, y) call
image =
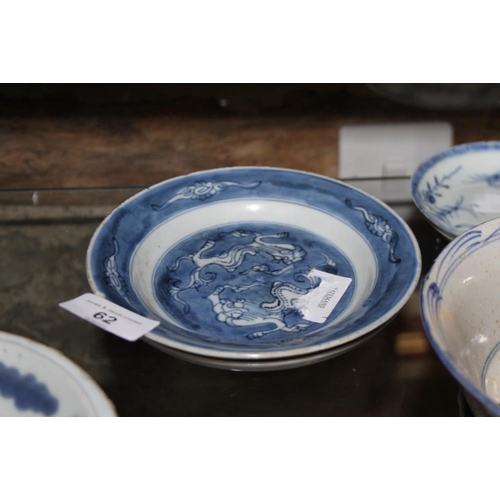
point(101, 404)
point(429, 328)
point(423, 168)
point(264, 365)
point(286, 353)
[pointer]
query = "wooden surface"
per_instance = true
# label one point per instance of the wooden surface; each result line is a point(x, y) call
point(68, 152)
point(83, 148)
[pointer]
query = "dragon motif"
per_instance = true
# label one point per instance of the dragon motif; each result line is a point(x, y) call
point(234, 271)
point(241, 312)
point(280, 258)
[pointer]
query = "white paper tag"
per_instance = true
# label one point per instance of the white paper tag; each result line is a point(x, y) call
point(318, 304)
point(109, 316)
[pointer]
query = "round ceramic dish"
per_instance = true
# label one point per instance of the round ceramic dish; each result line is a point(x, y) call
point(37, 381)
point(460, 187)
point(264, 365)
point(459, 305)
point(222, 258)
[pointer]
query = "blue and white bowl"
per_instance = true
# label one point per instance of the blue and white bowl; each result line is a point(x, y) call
point(222, 258)
point(38, 381)
point(460, 187)
point(459, 306)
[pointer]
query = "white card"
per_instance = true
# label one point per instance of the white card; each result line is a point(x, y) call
point(110, 317)
point(318, 304)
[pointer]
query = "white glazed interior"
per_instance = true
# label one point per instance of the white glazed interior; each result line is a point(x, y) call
point(470, 183)
point(351, 243)
point(467, 325)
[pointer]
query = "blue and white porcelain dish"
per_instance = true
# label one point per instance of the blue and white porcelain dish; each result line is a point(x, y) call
point(38, 381)
point(265, 365)
point(459, 306)
point(460, 187)
point(221, 258)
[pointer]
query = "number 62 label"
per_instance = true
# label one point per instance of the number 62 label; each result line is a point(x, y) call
point(104, 317)
point(109, 316)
